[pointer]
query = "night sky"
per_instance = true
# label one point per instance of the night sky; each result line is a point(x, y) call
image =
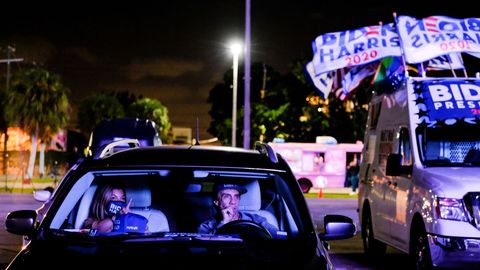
point(176, 51)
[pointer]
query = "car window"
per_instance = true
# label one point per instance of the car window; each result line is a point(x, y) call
point(174, 201)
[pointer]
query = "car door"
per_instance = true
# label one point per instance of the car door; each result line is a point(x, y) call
point(379, 181)
point(396, 191)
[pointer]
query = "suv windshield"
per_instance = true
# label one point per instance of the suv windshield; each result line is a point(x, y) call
point(174, 201)
point(450, 145)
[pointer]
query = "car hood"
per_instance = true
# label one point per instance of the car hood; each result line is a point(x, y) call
point(452, 182)
point(298, 254)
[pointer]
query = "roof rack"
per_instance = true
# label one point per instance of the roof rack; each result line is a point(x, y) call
point(109, 149)
point(267, 150)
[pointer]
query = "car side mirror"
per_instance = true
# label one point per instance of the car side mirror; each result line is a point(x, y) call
point(21, 222)
point(394, 164)
point(42, 195)
point(338, 227)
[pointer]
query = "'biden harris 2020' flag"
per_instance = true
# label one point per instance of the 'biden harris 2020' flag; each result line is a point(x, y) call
point(323, 82)
point(350, 48)
point(438, 35)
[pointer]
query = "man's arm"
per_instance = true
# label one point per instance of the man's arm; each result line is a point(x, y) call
point(261, 221)
point(208, 227)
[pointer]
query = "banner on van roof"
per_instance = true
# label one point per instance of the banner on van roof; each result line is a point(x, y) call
point(449, 99)
point(332, 51)
point(437, 35)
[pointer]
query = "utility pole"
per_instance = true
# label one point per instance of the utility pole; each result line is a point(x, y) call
point(10, 50)
point(264, 84)
point(246, 115)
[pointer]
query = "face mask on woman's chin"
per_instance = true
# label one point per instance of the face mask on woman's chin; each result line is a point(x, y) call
point(113, 207)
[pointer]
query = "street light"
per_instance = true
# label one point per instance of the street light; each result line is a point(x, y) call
point(235, 48)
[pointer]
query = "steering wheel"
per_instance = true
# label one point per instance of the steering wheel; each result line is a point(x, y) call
point(246, 229)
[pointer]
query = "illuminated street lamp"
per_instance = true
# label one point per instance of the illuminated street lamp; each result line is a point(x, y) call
point(235, 48)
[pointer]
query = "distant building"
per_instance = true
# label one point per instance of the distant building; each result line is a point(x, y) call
point(182, 135)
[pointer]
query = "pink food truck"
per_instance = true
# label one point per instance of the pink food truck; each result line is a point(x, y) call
point(323, 164)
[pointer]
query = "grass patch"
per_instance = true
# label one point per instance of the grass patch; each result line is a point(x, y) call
point(19, 186)
point(331, 195)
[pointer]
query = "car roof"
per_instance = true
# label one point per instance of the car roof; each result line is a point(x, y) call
point(205, 156)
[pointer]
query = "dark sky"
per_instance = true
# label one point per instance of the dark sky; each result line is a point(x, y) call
point(176, 51)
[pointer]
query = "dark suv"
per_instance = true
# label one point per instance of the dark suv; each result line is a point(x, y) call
point(111, 130)
point(170, 191)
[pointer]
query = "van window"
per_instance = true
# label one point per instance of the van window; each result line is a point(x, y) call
point(404, 148)
point(385, 146)
point(374, 114)
point(448, 145)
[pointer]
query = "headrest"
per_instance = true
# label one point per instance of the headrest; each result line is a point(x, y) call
point(252, 199)
point(140, 194)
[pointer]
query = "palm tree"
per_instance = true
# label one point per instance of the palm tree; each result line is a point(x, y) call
point(38, 102)
point(4, 127)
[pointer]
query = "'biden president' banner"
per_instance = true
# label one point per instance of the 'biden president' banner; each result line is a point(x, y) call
point(448, 99)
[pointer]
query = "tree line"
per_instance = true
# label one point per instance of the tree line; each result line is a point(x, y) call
point(38, 102)
point(285, 106)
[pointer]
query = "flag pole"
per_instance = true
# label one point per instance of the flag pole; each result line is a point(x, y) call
point(404, 62)
point(463, 64)
point(422, 70)
point(379, 64)
point(451, 68)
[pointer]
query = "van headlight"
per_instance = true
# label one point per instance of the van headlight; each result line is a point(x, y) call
point(451, 209)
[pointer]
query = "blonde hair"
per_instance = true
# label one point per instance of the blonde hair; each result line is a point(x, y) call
point(102, 197)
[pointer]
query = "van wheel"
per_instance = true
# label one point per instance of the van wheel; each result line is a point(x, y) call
point(371, 246)
point(419, 250)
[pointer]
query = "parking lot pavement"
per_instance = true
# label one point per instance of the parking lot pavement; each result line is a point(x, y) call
point(10, 244)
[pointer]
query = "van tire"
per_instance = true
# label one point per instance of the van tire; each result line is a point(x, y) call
point(419, 251)
point(371, 246)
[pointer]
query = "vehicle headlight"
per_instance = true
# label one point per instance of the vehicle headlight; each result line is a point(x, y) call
point(452, 209)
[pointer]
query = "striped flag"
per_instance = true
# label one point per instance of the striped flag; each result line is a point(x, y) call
point(323, 82)
point(356, 75)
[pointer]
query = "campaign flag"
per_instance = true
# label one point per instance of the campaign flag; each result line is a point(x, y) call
point(389, 75)
point(356, 75)
point(438, 35)
point(340, 93)
point(361, 46)
point(386, 68)
point(323, 82)
point(447, 61)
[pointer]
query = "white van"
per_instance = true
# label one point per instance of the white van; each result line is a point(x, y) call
point(420, 172)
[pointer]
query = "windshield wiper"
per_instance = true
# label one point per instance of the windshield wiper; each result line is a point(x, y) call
point(438, 162)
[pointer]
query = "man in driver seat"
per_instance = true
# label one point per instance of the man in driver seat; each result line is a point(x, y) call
point(226, 199)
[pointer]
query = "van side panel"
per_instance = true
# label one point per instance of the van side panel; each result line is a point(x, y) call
point(431, 197)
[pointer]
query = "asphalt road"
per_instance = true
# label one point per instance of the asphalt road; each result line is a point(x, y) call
point(10, 244)
point(346, 254)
